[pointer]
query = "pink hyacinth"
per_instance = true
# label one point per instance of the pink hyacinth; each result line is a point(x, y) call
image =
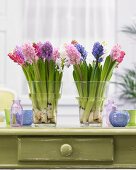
point(29, 53)
point(16, 59)
point(37, 47)
point(73, 54)
point(55, 54)
point(117, 54)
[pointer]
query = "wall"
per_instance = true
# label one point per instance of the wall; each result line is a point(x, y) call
point(126, 15)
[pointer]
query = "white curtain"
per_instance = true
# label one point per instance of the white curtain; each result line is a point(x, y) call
point(61, 21)
point(64, 20)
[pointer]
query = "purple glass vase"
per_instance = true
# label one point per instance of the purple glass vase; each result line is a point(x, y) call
point(16, 117)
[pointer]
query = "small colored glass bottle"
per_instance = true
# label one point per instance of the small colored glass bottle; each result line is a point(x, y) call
point(119, 118)
point(16, 118)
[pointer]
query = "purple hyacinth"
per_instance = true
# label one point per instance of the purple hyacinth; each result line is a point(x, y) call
point(98, 51)
point(18, 52)
point(46, 50)
point(100, 59)
point(82, 51)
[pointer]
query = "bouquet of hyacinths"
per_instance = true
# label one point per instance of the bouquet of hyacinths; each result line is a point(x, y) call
point(43, 66)
point(91, 79)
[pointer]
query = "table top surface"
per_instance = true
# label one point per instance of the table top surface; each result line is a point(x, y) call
point(66, 131)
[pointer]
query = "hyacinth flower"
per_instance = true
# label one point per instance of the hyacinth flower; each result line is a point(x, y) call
point(81, 73)
point(77, 54)
point(91, 113)
point(91, 79)
point(101, 74)
point(39, 62)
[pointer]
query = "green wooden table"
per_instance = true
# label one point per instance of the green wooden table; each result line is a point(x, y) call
point(67, 148)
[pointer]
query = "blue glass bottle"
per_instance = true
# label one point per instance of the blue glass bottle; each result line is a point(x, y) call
point(16, 118)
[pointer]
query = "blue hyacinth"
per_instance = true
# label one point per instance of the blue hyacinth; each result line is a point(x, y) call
point(82, 51)
point(98, 51)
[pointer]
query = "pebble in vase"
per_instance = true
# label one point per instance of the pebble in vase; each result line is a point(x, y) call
point(119, 118)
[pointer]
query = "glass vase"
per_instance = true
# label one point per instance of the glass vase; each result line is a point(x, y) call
point(91, 100)
point(132, 114)
point(119, 118)
point(91, 114)
point(44, 97)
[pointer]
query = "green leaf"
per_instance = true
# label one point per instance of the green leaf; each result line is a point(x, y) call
point(105, 68)
point(51, 70)
point(84, 82)
point(78, 83)
point(89, 71)
point(110, 71)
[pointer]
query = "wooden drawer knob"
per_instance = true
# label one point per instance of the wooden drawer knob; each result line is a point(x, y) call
point(66, 150)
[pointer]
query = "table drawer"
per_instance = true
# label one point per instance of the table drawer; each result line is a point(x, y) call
point(65, 149)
